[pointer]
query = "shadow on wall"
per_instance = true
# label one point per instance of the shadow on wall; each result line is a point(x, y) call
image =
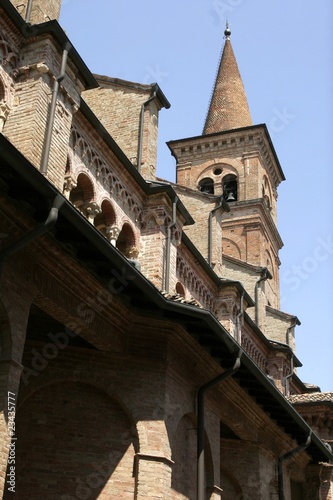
point(184, 455)
point(79, 442)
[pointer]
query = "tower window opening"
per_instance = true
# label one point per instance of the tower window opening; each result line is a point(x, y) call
point(218, 171)
point(229, 186)
point(206, 185)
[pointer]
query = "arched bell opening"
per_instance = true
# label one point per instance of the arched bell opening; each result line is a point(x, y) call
point(206, 185)
point(229, 187)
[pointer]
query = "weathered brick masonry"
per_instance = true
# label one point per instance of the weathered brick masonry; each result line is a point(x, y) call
point(121, 295)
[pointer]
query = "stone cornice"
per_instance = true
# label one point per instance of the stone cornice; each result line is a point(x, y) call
point(243, 142)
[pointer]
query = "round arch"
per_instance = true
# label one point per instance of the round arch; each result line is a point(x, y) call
point(83, 192)
point(231, 248)
point(106, 218)
point(102, 444)
point(126, 241)
point(230, 486)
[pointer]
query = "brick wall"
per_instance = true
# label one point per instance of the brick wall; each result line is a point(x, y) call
point(94, 463)
point(42, 10)
point(29, 114)
point(119, 105)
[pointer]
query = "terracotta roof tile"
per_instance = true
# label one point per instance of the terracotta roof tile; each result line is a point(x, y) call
point(313, 397)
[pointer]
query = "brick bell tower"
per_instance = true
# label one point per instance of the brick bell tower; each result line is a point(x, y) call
point(38, 11)
point(235, 159)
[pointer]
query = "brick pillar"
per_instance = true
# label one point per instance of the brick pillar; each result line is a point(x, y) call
point(312, 486)
point(326, 486)
point(153, 477)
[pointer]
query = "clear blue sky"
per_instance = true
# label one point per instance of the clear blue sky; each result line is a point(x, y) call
point(284, 52)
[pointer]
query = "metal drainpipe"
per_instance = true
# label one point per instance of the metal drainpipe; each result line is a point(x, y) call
point(210, 231)
point(168, 245)
point(290, 374)
point(50, 124)
point(35, 233)
point(28, 12)
point(142, 113)
point(264, 277)
point(284, 457)
point(201, 424)
point(293, 324)
point(239, 316)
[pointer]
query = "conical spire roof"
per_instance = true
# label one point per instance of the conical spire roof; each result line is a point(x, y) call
point(228, 107)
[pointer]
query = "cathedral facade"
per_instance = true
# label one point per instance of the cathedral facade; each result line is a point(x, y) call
point(143, 351)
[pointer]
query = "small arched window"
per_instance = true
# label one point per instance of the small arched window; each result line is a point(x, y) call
point(229, 186)
point(106, 218)
point(83, 192)
point(180, 289)
point(126, 241)
point(206, 185)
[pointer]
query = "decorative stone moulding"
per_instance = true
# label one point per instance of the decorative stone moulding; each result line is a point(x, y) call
point(112, 233)
point(4, 112)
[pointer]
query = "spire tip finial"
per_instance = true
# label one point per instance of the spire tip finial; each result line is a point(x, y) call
point(227, 31)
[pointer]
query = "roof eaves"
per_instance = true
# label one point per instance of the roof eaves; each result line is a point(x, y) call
point(284, 315)
point(236, 131)
point(237, 284)
point(164, 187)
point(160, 95)
point(219, 282)
point(143, 87)
point(272, 344)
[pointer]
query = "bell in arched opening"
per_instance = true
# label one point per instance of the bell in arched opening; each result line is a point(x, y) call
point(229, 186)
point(206, 185)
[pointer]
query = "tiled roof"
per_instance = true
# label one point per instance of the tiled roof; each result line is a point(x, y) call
point(177, 297)
point(314, 397)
